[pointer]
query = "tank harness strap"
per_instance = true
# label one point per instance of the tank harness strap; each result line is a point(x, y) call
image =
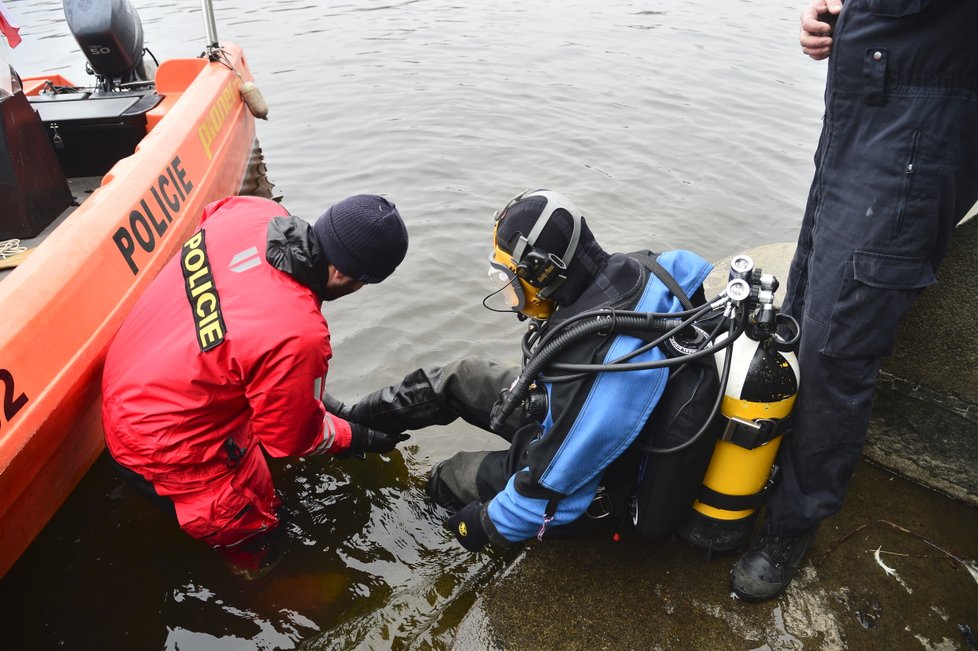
point(601, 506)
point(750, 434)
point(726, 502)
point(549, 514)
point(648, 260)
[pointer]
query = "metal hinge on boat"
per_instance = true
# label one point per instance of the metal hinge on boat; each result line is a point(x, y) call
point(56, 139)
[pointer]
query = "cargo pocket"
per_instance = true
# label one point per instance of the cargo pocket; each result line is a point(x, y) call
point(238, 506)
point(876, 293)
point(260, 514)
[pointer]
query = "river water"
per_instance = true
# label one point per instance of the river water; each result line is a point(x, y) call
point(670, 124)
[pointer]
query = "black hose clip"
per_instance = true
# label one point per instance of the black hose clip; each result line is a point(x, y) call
point(612, 321)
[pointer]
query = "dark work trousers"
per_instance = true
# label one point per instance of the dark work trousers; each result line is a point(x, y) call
point(896, 170)
point(467, 389)
point(143, 486)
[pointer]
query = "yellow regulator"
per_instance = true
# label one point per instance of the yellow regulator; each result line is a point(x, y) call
point(756, 407)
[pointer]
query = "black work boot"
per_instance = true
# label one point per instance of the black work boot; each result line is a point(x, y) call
point(767, 568)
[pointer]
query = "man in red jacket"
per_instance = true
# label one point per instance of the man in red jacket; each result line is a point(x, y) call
point(224, 360)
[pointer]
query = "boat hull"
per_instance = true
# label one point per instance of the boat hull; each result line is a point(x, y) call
point(64, 304)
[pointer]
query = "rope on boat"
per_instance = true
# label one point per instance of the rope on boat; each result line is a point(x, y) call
point(10, 248)
point(250, 94)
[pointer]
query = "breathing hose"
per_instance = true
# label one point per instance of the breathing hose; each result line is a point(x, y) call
point(620, 365)
point(611, 322)
point(518, 391)
point(535, 332)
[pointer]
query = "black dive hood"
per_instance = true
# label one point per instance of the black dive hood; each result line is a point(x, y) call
point(588, 262)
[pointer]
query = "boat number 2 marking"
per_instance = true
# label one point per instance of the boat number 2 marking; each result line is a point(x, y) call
point(11, 405)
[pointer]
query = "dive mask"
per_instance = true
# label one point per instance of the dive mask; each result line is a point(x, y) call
point(515, 293)
point(526, 278)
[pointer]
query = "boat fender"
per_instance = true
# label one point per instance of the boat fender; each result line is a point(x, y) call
point(253, 100)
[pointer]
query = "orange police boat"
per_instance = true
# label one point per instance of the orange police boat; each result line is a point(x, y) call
point(101, 186)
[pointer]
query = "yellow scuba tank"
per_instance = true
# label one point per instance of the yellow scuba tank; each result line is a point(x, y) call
point(756, 407)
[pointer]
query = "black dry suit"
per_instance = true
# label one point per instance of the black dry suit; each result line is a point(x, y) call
point(557, 461)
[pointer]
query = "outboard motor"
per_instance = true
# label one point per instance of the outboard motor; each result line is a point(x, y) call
point(111, 36)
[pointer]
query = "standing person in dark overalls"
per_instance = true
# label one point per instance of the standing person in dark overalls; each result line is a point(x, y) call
point(895, 170)
point(223, 360)
point(570, 456)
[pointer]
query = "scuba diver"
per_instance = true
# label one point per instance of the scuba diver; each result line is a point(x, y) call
point(572, 458)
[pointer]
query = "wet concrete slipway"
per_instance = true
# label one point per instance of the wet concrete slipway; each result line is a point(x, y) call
point(633, 594)
point(895, 569)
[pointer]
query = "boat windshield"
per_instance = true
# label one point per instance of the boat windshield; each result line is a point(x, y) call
point(6, 77)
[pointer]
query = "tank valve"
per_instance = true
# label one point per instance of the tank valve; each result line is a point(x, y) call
point(741, 266)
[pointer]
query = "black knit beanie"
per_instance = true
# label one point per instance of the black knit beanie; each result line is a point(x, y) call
point(363, 236)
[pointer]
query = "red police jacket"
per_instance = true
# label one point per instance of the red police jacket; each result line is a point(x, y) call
point(224, 355)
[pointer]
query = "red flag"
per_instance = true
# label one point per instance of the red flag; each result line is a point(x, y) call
point(9, 27)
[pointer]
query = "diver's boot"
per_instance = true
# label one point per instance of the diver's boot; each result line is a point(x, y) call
point(412, 404)
point(767, 568)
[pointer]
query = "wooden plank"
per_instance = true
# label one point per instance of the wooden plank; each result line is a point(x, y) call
point(15, 259)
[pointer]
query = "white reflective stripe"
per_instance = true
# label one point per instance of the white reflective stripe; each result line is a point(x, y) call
point(318, 386)
point(245, 260)
point(554, 203)
point(329, 435)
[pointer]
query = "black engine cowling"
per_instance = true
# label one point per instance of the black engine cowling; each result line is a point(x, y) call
point(111, 36)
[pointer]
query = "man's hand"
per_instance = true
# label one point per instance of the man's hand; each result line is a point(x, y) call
point(466, 524)
point(816, 33)
point(365, 439)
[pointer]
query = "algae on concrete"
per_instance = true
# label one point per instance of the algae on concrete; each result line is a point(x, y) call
point(593, 593)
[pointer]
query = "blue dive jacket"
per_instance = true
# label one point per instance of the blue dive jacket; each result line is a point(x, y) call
point(593, 420)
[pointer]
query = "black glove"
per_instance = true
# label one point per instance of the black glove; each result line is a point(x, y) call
point(365, 439)
point(466, 524)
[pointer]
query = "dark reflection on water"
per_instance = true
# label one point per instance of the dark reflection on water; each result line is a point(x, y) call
point(671, 124)
point(366, 565)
